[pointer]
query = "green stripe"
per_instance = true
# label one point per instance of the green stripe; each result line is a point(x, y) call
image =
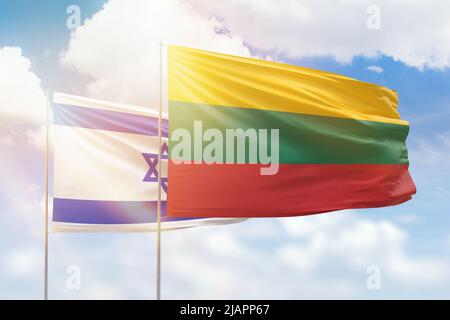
point(304, 139)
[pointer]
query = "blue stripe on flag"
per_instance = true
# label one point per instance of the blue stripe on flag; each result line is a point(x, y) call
point(108, 212)
point(74, 116)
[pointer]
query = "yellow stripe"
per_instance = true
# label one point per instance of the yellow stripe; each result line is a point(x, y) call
point(198, 76)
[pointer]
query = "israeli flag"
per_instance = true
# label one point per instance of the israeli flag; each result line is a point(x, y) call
point(105, 161)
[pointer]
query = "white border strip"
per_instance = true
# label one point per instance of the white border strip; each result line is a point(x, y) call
point(139, 227)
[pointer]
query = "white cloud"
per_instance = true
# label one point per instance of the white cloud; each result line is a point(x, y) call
point(119, 46)
point(7, 140)
point(37, 136)
point(21, 95)
point(376, 69)
point(22, 100)
point(339, 28)
point(22, 114)
point(326, 259)
point(47, 53)
point(431, 271)
point(27, 206)
point(22, 262)
point(30, 201)
point(360, 242)
point(327, 254)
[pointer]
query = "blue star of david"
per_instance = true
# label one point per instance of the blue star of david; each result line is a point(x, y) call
point(152, 161)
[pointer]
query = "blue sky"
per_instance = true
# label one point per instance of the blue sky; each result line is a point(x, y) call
point(415, 234)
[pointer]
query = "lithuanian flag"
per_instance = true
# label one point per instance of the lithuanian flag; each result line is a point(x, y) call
point(253, 138)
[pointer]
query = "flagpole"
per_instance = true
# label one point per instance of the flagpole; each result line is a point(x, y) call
point(158, 234)
point(49, 98)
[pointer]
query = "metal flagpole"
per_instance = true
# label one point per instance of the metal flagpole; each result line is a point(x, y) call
point(49, 98)
point(158, 234)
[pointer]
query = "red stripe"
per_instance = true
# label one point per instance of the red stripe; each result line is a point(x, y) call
point(234, 190)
